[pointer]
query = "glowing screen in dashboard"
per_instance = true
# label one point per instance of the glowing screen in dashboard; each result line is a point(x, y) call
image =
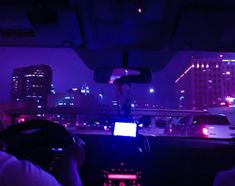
point(125, 129)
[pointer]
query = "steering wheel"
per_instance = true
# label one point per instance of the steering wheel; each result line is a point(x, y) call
point(44, 143)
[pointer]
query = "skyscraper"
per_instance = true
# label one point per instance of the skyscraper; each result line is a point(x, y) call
point(207, 82)
point(31, 85)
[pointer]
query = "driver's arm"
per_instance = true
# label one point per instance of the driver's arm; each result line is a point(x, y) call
point(22, 173)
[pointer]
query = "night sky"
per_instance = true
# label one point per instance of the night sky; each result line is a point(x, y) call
point(70, 71)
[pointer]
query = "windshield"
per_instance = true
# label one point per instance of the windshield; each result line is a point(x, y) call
point(43, 85)
point(55, 84)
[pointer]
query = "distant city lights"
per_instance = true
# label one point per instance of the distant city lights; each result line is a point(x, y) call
point(185, 72)
point(230, 101)
point(85, 89)
point(139, 10)
point(105, 128)
point(151, 90)
point(100, 95)
point(228, 60)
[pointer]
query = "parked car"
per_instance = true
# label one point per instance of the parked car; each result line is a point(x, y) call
point(207, 126)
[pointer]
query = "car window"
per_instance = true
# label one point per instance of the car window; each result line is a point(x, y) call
point(217, 120)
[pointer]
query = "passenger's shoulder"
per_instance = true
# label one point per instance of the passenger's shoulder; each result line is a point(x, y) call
point(21, 173)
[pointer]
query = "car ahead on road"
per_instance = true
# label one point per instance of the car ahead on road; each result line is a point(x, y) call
point(207, 126)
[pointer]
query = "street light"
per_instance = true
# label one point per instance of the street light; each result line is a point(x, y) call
point(101, 97)
point(151, 90)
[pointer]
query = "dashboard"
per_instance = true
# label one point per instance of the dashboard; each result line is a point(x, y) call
point(112, 160)
point(121, 160)
point(125, 161)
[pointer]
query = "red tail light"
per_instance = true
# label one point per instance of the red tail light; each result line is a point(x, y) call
point(205, 131)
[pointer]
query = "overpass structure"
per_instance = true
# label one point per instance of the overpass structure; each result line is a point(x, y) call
point(75, 112)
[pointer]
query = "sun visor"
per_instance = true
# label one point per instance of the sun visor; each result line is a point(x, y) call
point(39, 27)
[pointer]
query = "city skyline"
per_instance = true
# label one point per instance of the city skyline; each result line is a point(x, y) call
point(76, 73)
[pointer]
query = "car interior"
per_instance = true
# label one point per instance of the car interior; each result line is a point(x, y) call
point(141, 36)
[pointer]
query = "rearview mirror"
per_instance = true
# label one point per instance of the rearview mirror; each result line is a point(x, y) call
point(123, 75)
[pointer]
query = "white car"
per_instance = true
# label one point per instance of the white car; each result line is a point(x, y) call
point(207, 126)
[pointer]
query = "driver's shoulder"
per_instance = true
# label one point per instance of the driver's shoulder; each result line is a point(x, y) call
point(20, 172)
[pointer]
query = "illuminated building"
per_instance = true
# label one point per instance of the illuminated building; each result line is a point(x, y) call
point(138, 104)
point(73, 98)
point(31, 85)
point(206, 83)
point(85, 89)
